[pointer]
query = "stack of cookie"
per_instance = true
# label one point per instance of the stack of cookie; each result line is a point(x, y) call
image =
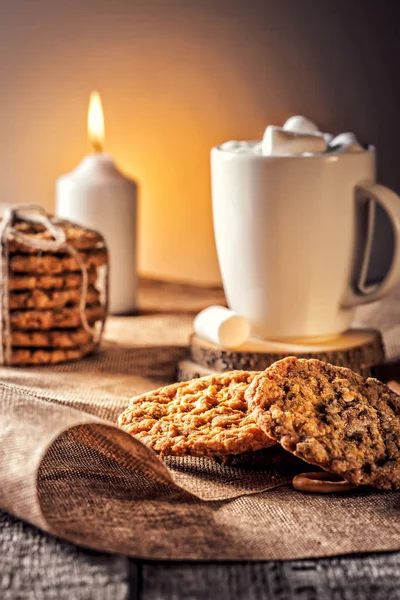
point(325, 415)
point(44, 319)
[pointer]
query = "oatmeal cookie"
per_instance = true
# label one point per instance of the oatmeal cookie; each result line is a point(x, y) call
point(331, 417)
point(51, 298)
point(54, 264)
point(201, 417)
point(40, 356)
point(49, 282)
point(76, 236)
point(54, 319)
point(53, 338)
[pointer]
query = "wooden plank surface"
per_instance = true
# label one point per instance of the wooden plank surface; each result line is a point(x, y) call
point(35, 566)
point(360, 578)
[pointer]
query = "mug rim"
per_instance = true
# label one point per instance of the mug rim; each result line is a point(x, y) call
point(367, 149)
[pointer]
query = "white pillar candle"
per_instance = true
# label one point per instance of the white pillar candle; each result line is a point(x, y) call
point(97, 195)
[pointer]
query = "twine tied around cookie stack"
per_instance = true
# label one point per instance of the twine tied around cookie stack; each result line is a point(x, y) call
point(35, 215)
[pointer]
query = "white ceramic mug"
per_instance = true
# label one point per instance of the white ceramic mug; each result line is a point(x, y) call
point(286, 235)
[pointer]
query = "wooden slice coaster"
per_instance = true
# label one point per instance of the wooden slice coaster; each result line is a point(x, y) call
point(357, 349)
point(189, 370)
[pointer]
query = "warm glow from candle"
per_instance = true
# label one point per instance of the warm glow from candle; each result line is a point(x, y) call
point(96, 122)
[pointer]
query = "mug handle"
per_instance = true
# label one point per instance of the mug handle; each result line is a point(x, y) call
point(390, 202)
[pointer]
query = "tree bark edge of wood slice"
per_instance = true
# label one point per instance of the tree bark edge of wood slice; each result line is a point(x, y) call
point(188, 370)
point(361, 357)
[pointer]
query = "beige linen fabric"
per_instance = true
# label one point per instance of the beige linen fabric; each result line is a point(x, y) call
point(67, 469)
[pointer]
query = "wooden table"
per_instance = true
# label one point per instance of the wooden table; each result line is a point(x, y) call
point(34, 565)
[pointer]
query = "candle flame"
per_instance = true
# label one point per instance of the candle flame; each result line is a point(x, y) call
point(96, 122)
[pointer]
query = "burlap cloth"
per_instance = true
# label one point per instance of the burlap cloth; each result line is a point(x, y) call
point(67, 469)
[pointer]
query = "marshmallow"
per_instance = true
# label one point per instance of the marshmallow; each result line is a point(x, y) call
point(4, 206)
point(345, 142)
point(238, 147)
point(328, 137)
point(232, 145)
point(300, 124)
point(257, 148)
point(277, 141)
point(222, 326)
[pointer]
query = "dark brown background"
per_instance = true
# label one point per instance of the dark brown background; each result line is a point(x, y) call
point(178, 76)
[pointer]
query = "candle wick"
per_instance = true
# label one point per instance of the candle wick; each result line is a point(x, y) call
point(97, 146)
